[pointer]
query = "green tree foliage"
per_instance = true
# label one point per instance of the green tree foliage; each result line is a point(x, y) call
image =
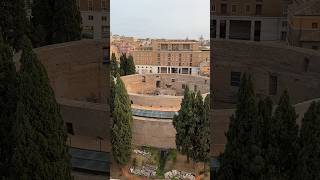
point(242, 158)
point(40, 141)
point(7, 106)
point(200, 140)
point(127, 66)
point(114, 66)
point(13, 22)
point(184, 124)
point(283, 147)
point(131, 69)
point(309, 155)
point(121, 132)
point(55, 21)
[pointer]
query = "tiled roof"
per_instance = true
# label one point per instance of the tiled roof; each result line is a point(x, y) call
point(153, 114)
point(90, 161)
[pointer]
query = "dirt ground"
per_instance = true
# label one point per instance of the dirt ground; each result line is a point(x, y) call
point(180, 164)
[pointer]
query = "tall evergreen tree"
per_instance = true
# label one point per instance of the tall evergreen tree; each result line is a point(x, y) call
point(183, 124)
point(131, 69)
point(40, 141)
point(7, 106)
point(201, 141)
point(242, 158)
point(13, 22)
point(127, 66)
point(58, 20)
point(123, 64)
point(309, 155)
point(114, 66)
point(265, 113)
point(282, 152)
point(121, 132)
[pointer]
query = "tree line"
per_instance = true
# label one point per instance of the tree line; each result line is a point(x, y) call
point(52, 21)
point(192, 126)
point(267, 144)
point(32, 133)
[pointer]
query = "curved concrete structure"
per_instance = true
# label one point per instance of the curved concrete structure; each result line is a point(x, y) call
point(156, 98)
point(291, 68)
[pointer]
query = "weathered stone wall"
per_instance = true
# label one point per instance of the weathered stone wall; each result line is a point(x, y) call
point(156, 101)
point(80, 82)
point(262, 60)
point(153, 132)
point(135, 84)
point(75, 70)
point(88, 119)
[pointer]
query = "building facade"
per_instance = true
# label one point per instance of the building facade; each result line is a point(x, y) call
point(304, 24)
point(95, 18)
point(256, 20)
point(170, 56)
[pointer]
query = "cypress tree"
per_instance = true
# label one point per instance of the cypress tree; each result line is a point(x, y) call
point(58, 20)
point(265, 113)
point(123, 65)
point(201, 141)
point(131, 69)
point(309, 155)
point(242, 158)
point(13, 22)
point(7, 106)
point(40, 149)
point(282, 153)
point(121, 132)
point(184, 124)
point(114, 65)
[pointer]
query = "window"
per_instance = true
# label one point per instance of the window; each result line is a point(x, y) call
point(184, 86)
point(173, 80)
point(283, 35)
point(273, 85)
point(306, 64)
point(224, 8)
point(69, 128)
point(104, 4)
point(104, 18)
point(314, 25)
point(234, 8)
point(248, 8)
point(284, 24)
point(158, 84)
point(258, 9)
point(143, 79)
point(90, 17)
point(235, 79)
point(90, 5)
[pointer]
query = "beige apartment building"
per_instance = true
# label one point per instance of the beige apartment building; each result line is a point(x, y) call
point(95, 18)
point(304, 24)
point(170, 56)
point(254, 20)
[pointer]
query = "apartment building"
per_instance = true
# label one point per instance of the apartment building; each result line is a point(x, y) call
point(170, 56)
point(304, 24)
point(254, 20)
point(95, 18)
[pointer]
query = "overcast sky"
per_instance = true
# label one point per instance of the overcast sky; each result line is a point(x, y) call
point(171, 19)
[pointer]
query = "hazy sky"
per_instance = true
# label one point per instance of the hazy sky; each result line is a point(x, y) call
point(161, 18)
